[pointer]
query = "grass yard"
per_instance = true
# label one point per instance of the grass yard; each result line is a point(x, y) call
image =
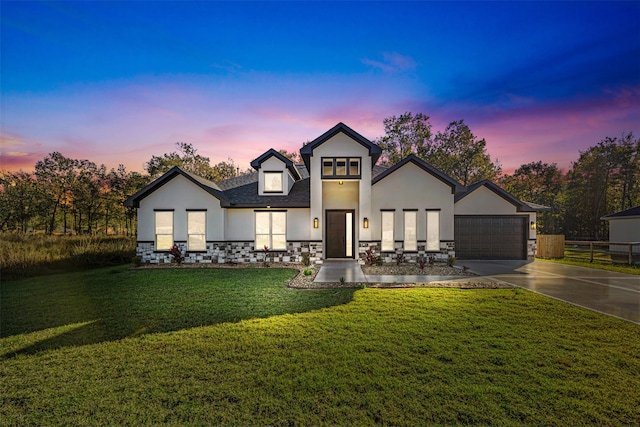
point(619, 268)
point(229, 347)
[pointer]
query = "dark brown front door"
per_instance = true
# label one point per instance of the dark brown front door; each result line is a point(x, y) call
point(336, 234)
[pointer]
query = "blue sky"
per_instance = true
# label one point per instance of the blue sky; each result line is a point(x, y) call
point(118, 82)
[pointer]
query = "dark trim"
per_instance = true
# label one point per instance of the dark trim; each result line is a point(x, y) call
point(263, 205)
point(256, 163)
point(145, 241)
point(510, 198)
point(410, 210)
point(179, 241)
point(272, 192)
point(387, 210)
point(532, 240)
point(196, 210)
point(409, 252)
point(164, 210)
point(307, 150)
point(271, 251)
point(269, 210)
point(445, 241)
point(456, 187)
point(334, 167)
point(162, 252)
point(208, 186)
point(433, 209)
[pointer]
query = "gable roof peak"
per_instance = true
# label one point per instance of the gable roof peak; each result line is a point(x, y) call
point(456, 187)
point(257, 163)
point(307, 150)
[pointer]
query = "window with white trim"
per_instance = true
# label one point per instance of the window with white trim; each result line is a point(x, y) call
point(273, 182)
point(164, 230)
point(410, 231)
point(433, 231)
point(271, 230)
point(197, 231)
point(387, 231)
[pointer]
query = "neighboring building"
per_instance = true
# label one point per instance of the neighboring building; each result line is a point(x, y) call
point(624, 227)
point(338, 204)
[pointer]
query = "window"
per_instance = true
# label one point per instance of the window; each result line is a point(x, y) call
point(327, 167)
point(164, 230)
point(433, 231)
point(196, 230)
point(387, 231)
point(410, 230)
point(341, 167)
point(273, 182)
point(271, 230)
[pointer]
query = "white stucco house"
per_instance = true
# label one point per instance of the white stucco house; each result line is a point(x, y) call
point(337, 204)
point(624, 227)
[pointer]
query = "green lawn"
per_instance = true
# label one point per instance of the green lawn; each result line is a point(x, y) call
point(619, 268)
point(300, 357)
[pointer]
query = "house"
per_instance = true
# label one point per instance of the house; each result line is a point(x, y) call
point(624, 227)
point(336, 205)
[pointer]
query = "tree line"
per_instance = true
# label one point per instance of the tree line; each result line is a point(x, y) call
point(604, 179)
point(78, 196)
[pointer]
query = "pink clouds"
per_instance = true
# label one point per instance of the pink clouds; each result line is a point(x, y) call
point(242, 116)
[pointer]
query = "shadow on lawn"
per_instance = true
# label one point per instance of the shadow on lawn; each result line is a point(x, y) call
point(113, 304)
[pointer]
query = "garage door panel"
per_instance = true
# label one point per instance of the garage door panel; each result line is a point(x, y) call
point(490, 237)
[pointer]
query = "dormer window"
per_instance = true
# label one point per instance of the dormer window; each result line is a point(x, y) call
point(340, 167)
point(273, 182)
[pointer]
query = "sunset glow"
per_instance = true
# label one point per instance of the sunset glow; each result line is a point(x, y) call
point(118, 82)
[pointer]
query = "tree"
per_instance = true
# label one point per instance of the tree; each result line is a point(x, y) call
point(541, 183)
point(404, 135)
point(190, 161)
point(18, 199)
point(55, 175)
point(461, 155)
point(294, 156)
point(603, 180)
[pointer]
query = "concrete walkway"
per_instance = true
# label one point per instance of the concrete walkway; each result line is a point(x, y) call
point(332, 270)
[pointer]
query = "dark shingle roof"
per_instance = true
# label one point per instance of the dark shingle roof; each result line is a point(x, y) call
point(246, 196)
point(629, 213)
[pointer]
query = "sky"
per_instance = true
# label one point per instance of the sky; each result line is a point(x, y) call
point(117, 82)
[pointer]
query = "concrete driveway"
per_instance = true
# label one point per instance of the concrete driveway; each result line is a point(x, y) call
point(614, 294)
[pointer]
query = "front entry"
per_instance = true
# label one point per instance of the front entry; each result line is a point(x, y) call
point(339, 233)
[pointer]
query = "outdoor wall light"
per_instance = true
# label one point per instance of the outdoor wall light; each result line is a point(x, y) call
point(365, 223)
point(315, 222)
point(340, 182)
point(533, 225)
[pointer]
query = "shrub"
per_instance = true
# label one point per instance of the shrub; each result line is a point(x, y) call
point(136, 260)
point(176, 253)
point(432, 260)
point(399, 258)
point(265, 250)
point(370, 257)
point(421, 263)
point(307, 272)
point(451, 261)
point(305, 259)
point(379, 261)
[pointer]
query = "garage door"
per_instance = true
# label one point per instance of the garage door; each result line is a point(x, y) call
point(490, 237)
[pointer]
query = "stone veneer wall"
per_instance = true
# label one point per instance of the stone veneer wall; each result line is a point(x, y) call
point(233, 252)
point(531, 249)
point(447, 249)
